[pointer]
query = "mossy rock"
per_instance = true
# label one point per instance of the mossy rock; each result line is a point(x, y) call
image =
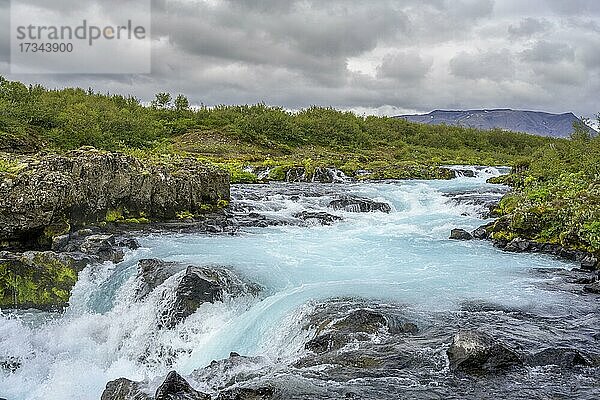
point(41, 280)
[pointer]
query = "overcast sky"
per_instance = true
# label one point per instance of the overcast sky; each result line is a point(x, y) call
point(376, 56)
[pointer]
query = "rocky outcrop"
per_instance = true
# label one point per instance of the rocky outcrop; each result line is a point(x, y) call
point(263, 393)
point(52, 194)
point(477, 352)
point(176, 388)
point(460, 234)
point(359, 204)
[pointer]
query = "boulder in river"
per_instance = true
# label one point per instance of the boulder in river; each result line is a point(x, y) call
point(460, 234)
point(592, 288)
point(176, 388)
point(359, 204)
point(476, 352)
point(589, 262)
point(124, 389)
point(199, 285)
point(561, 357)
point(322, 218)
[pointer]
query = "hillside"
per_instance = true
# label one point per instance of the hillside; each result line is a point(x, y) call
point(533, 122)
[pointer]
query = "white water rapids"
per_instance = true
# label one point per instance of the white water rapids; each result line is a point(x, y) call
point(403, 257)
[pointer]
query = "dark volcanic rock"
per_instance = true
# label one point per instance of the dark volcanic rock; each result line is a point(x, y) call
point(327, 342)
point(359, 204)
point(151, 273)
point(10, 364)
point(517, 245)
point(592, 288)
point(589, 262)
point(124, 389)
point(362, 320)
point(200, 285)
point(561, 357)
point(322, 218)
point(476, 352)
point(480, 233)
point(263, 393)
point(460, 234)
point(176, 388)
point(53, 194)
point(103, 247)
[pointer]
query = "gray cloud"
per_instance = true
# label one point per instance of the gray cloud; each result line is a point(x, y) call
point(493, 65)
point(528, 27)
point(382, 54)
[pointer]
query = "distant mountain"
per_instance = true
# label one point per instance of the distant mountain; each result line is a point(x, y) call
point(534, 122)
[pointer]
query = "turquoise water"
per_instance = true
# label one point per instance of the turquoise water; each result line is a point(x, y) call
point(402, 257)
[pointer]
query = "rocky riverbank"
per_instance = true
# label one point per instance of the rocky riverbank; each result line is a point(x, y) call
point(55, 211)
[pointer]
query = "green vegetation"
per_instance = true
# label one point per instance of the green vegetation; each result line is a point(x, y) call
point(232, 137)
point(557, 195)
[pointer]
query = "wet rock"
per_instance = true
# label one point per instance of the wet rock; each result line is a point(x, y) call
point(480, 233)
point(103, 247)
point(592, 288)
point(561, 357)
point(517, 245)
point(200, 285)
point(296, 174)
point(124, 389)
point(60, 242)
point(589, 262)
point(176, 388)
point(129, 243)
point(152, 273)
point(263, 393)
point(10, 364)
point(362, 320)
point(359, 204)
point(327, 342)
point(476, 352)
point(322, 218)
point(460, 234)
point(328, 175)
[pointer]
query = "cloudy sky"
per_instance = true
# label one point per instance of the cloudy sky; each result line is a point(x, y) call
point(377, 56)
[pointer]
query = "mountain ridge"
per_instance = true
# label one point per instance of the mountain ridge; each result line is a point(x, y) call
point(533, 122)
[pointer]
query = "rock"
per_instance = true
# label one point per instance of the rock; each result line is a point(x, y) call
point(476, 352)
point(592, 288)
point(322, 218)
point(561, 357)
point(329, 175)
point(60, 242)
point(460, 234)
point(200, 285)
point(359, 204)
point(263, 393)
point(480, 233)
point(124, 389)
point(296, 174)
point(176, 388)
point(10, 364)
point(362, 320)
point(517, 245)
point(151, 273)
point(589, 262)
point(103, 247)
point(54, 194)
point(41, 280)
point(327, 342)
point(129, 243)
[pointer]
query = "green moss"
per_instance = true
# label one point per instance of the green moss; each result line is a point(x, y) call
point(114, 215)
point(185, 215)
point(278, 173)
point(42, 282)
